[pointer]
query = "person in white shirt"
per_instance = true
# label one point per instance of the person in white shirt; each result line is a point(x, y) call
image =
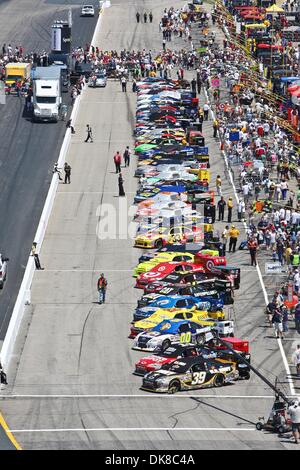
point(281, 213)
point(294, 412)
point(284, 189)
point(296, 359)
point(295, 218)
point(241, 210)
point(266, 128)
point(245, 189)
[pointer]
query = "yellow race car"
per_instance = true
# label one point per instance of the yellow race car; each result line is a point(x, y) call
point(161, 236)
point(182, 314)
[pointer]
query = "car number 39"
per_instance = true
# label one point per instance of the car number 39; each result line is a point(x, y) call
point(198, 378)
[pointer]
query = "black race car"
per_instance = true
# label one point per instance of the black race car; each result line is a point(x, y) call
point(189, 374)
point(160, 357)
point(179, 279)
point(205, 289)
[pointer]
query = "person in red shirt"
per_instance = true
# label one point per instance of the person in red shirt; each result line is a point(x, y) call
point(117, 160)
point(101, 287)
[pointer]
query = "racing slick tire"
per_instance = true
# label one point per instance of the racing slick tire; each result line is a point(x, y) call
point(166, 344)
point(174, 387)
point(158, 244)
point(1, 284)
point(219, 380)
point(246, 376)
point(200, 340)
point(281, 430)
point(259, 426)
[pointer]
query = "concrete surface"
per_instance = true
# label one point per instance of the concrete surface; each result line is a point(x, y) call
point(28, 150)
point(71, 383)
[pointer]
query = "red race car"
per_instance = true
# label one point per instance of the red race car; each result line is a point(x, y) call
point(209, 261)
point(156, 361)
point(161, 270)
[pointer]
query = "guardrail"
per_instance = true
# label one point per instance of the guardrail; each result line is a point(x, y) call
point(24, 295)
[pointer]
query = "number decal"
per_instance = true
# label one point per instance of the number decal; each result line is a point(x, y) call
point(185, 337)
point(198, 378)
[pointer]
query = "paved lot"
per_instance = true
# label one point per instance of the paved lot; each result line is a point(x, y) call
point(78, 351)
point(28, 150)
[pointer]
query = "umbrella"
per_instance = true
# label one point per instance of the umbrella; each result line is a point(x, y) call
point(274, 9)
point(144, 147)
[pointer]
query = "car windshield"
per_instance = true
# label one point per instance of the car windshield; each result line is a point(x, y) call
point(172, 278)
point(171, 352)
point(177, 366)
point(46, 99)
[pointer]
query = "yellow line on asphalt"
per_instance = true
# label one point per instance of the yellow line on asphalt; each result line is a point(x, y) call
point(9, 434)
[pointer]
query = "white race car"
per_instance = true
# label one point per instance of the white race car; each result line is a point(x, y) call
point(173, 331)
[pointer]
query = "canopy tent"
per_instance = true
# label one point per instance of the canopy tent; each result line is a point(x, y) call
point(274, 9)
point(255, 25)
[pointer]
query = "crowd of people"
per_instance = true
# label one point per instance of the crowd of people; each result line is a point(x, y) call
point(263, 159)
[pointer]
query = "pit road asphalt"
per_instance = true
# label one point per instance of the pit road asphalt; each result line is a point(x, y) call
point(28, 150)
point(70, 381)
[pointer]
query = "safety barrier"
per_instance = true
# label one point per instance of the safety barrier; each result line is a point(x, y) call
point(24, 295)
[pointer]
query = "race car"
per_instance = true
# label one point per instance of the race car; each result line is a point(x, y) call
point(164, 314)
point(161, 356)
point(159, 237)
point(163, 257)
point(161, 270)
point(179, 301)
point(190, 374)
point(201, 292)
point(173, 331)
point(209, 261)
point(178, 279)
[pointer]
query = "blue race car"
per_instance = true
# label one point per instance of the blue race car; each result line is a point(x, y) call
point(209, 304)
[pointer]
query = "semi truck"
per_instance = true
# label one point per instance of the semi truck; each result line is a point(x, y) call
point(47, 92)
point(16, 71)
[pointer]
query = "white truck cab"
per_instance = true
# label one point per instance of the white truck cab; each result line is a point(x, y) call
point(46, 100)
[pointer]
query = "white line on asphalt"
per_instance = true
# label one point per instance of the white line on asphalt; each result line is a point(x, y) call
point(104, 102)
point(285, 362)
point(93, 192)
point(127, 429)
point(267, 397)
point(87, 270)
point(112, 141)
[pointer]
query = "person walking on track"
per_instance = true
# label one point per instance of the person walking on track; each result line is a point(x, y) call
point(101, 287)
point(126, 156)
point(121, 187)
point(67, 170)
point(89, 134)
point(252, 245)
point(117, 160)
point(233, 237)
point(221, 208)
